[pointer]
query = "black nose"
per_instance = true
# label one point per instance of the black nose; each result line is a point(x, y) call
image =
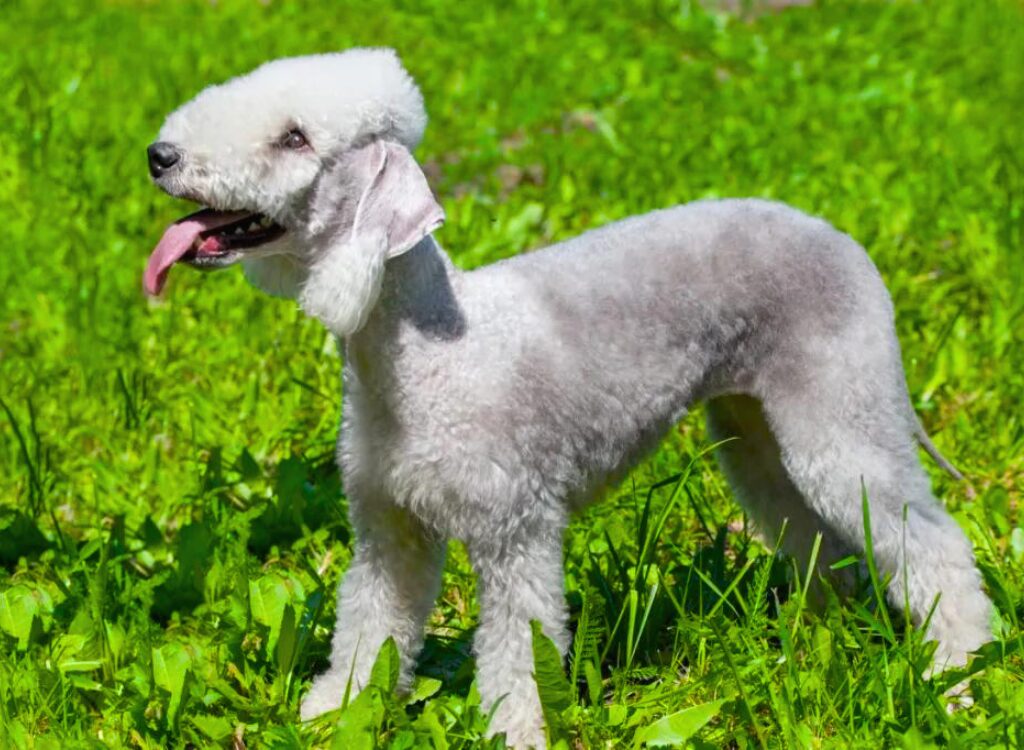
point(162, 157)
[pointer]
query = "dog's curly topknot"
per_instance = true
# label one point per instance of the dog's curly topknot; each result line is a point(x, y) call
point(356, 95)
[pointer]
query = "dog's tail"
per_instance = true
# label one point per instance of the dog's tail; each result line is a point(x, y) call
point(931, 450)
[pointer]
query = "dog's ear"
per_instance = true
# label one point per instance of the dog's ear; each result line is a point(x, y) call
point(397, 200)
point(394, 209)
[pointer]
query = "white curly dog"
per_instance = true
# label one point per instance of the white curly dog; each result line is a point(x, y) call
point(486, 406)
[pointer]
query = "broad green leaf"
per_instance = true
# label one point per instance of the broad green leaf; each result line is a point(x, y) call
point(217, 728)
point(170, 668)
point(360, 722)
point(287, 641)
point(616, 714)
point(677, 728)
point(1017, 544)
point(552, 685)
point(430, 719)
point(69, 646)
point(17, 611)
point(21, 608)
point(115, 639)
point(422, 688)
point(405, 739)
point(268, 598)
point(89, 549)
point(385, 669)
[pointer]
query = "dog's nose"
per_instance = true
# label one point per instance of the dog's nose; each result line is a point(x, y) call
point(162, 157)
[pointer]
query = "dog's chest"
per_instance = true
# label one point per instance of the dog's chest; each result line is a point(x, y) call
point(403, 448)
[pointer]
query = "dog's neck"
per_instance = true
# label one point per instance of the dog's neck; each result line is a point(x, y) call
point(419, 290)
point(418, 298)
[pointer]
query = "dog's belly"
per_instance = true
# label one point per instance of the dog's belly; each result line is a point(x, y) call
point(468, 473)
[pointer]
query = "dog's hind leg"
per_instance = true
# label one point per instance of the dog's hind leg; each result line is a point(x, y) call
point(844, 429)
point(389, 589)
point(751, 462)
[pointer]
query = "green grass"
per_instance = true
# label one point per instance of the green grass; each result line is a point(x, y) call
point(171, 523)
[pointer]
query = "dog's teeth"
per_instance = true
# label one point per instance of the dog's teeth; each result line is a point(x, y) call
point(239, 230)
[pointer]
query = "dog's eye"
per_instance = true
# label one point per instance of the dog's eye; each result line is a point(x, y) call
point(294, 139)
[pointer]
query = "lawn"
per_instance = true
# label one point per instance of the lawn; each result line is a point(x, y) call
point(172, 526)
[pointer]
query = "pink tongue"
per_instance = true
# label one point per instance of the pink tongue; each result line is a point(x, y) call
point(178, 240)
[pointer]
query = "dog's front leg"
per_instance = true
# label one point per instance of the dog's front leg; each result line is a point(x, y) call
point(389, 590)
point(520, 580)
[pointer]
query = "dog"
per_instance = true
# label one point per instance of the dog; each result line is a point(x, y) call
point(487, 406)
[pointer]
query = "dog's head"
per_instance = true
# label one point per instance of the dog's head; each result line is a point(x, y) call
point(299, 156)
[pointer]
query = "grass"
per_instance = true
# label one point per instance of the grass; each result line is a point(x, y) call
point(171, 523)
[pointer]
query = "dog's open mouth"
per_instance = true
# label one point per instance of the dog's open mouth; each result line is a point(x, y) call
point(207, 239)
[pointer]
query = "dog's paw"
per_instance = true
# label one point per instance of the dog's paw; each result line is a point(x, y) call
point(325, 695)
point(531, 738)
point(522, 723)
point(959, 698)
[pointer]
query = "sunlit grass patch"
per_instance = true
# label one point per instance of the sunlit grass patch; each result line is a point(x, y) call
point(172, 527)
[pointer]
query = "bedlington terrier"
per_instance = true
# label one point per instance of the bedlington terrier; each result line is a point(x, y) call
point(488, 405)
